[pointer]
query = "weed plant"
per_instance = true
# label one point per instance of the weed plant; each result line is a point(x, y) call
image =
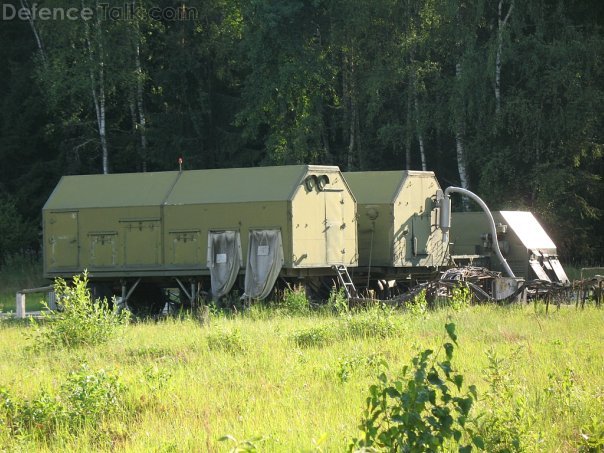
point(81, 321)
point(227, 340)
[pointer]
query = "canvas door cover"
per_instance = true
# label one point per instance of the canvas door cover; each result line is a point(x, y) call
point(224, 260)
point(264, 262)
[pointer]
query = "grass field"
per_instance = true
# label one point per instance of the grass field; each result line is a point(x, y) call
point(300, 382)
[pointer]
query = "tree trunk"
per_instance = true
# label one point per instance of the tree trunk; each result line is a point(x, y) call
point(408, 133)
point(460, 132)
point(420, 136)
point(142, 120)
point(98, 97)
point(500, 26)
point(32, 24)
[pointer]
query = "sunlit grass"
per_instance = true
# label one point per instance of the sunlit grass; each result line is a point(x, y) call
point(185, 394)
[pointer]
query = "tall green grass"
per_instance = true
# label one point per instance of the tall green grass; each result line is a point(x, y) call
point(255, 376)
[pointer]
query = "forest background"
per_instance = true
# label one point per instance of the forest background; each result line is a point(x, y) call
point(503, 97)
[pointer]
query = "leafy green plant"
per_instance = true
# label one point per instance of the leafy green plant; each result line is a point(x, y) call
point(461, 297)
point(349, 364)
point(227, 340)
point(243, 446)
point(337, 301)
point(81, 321)
point(592, 436)
point(317, 336)
point(85, 398)
point(376, 322)
point(156, 379)
point(89, 396)
point(418, 306)
point(294, 301)
point(424, 409)
point(506, 422)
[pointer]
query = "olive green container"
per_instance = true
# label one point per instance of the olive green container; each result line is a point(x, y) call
point(398, 228)
point(157, 224)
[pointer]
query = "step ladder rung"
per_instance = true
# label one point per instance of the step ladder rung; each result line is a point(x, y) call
point(345, 280)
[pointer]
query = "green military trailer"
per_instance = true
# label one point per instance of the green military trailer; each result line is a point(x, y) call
point(398, 229)
point(200, 229)
point(525, 245)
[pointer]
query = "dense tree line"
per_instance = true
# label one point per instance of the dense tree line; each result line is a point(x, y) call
point(501, 96)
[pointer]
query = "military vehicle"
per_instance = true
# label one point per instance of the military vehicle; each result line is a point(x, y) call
point(398, 232)
point(200, 229)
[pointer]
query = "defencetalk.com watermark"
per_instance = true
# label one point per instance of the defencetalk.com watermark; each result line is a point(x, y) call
point(104, 10)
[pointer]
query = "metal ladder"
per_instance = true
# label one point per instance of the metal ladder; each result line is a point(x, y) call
point(345, 281)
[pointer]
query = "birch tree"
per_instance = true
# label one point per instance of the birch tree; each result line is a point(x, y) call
point(96, 56)
point(501, 23)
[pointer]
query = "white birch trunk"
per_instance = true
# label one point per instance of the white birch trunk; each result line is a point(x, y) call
point(420, 135)
point(98, 89)
point(460, 133)
point(351, 135)
point(408, 135)
point(500, 26)
point(142, 120)
point(353, 113)
point(102, 124)
point(32, 24)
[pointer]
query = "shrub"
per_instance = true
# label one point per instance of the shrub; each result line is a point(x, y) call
point(314, 336)
point(337, 301)
point(227, 341)
point(349, 364)
point(377, 322)
point(422, 410)
point(85, 398)
point(82, 321)
point(418, 306)
point(295, 301)
point(461, 297)
point(506, 422)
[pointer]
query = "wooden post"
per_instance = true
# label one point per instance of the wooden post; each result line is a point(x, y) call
point(20, 309)
point(52, 300)
point(204, 316)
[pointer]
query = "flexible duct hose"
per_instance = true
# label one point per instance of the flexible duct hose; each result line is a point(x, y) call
point(445, 221)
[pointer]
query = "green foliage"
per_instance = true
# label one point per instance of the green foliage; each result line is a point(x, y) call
point(317, 336)
point(418, 306)
point(506, 421)
point(423, 409)
point(349, 364)
point(376, 322)
point(461, 297)
point(227, 340)
point(16, 235)
point(81, 321)
point(337, 301)
point(592, 435)
point(155, 379)
point(294, 302)
point(243, 446)
point(360, 84)
point(84, 399)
